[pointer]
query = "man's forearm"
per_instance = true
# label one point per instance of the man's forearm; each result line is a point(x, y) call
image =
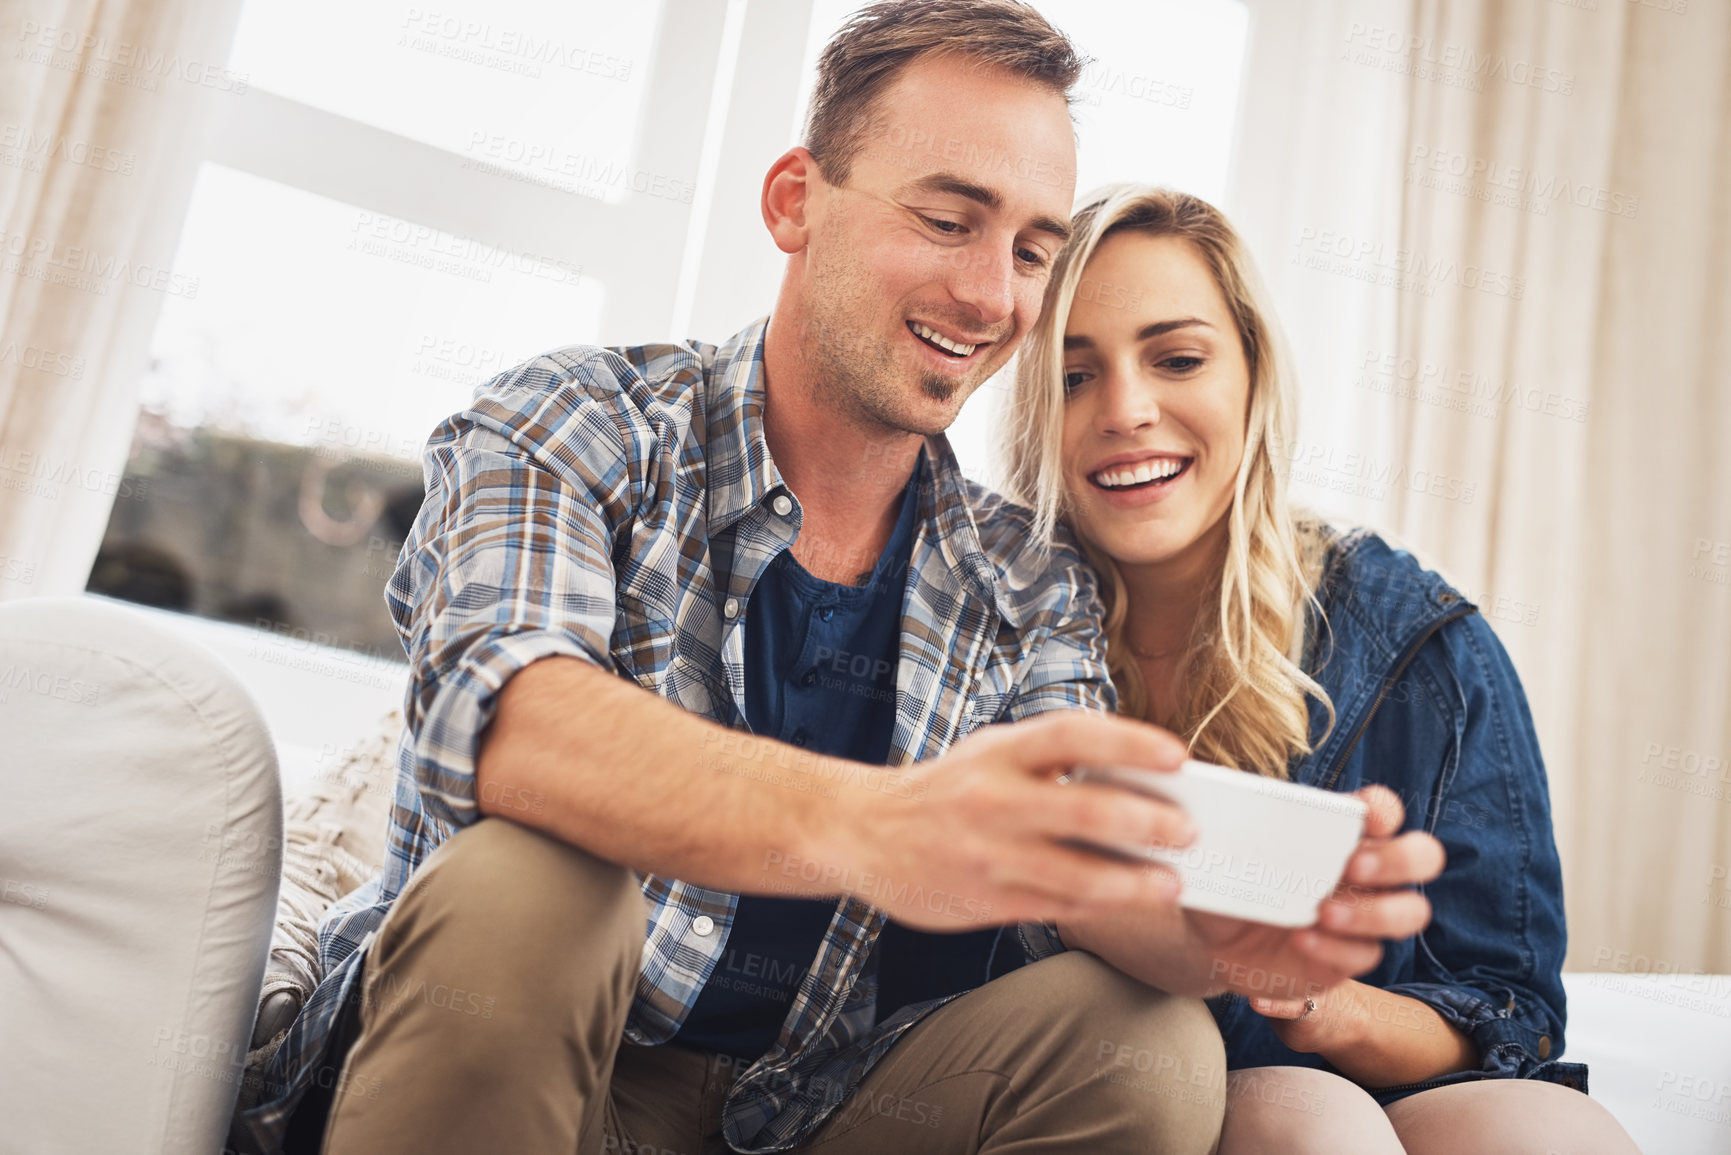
point(602, 764)
point(975, 837)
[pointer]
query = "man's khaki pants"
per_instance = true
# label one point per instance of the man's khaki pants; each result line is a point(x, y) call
point(494, 1004)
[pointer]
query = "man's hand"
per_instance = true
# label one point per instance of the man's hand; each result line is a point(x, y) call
point(1204, 954)
point(982, 841)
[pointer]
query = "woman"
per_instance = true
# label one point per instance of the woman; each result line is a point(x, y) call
point(1151, 405)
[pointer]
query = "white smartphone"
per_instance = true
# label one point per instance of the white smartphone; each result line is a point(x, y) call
point(1265, 850)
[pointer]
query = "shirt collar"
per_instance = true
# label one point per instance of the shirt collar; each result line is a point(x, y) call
point(738, 468)
point(741, 473)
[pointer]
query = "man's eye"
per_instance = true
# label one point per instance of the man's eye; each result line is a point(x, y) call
point(1032, 257)
point(948, 228)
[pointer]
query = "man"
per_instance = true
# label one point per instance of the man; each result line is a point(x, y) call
point(618, 923)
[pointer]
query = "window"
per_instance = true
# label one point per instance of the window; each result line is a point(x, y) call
point(332, 325)
point(402, 205)
point(539, 87)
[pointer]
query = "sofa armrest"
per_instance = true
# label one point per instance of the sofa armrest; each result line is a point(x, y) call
point(140, 849)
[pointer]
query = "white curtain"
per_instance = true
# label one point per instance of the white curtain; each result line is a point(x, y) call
point(1499, 232)
point(101, 104)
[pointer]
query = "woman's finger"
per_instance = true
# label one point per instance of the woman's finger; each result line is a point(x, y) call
point(1278, 1008)
point(1412, 858)
point(1388, 914)
point(1386, 812)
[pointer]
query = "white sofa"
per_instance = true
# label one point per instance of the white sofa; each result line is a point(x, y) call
point(139, 845)
point(135, 847)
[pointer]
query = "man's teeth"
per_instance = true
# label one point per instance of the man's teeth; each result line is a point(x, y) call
point(937, 338)
point(1142, 472)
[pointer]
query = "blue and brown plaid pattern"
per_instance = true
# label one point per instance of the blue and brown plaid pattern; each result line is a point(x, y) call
point(604, 504)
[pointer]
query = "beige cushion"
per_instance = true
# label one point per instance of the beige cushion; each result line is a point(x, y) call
point(140, 845)
point(335, 823)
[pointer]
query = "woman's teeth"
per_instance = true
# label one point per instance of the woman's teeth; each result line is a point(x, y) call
point(1141, 473)
point(934, 337)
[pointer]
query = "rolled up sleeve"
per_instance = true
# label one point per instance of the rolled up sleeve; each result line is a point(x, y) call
point(1512, 1036)
point(509, 562)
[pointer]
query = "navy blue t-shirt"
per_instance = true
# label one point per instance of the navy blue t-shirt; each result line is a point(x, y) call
point(820, 670)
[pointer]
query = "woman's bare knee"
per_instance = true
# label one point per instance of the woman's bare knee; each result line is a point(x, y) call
point(1507, 1117)
point(1302, 1111)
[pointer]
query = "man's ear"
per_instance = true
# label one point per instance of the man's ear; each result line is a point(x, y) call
point(788, 191)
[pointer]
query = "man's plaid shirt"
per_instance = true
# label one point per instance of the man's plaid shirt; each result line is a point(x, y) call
point(618, 506)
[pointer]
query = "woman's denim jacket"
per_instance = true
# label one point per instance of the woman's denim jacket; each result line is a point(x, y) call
point(1428, 704)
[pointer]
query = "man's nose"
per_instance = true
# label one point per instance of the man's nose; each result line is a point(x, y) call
point(985, 282)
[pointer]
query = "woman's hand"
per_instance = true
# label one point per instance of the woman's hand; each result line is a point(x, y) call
point(1193, 953)
point(1374, 1037)
point(1317, 1023)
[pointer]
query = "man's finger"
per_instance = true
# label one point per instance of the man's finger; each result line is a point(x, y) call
point(1066, 738)
point(1347, 957)
point(1093, 884)
point(1105, 815)
point(1017, 904)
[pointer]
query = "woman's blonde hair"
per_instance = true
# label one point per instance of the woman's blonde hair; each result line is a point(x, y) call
point(1244, 692)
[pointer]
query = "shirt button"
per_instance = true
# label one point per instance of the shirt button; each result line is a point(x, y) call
point(703, 925)
point(1544, 1046)
point(730, 608)
point(810, 678)
point(800, 738)
point(783, 504)
point(826, 613)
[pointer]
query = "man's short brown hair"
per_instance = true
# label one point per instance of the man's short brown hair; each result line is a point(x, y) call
point(880, 40)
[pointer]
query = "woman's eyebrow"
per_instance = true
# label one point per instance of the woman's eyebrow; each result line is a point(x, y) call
point(1081, 341)
point(1160, 327)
